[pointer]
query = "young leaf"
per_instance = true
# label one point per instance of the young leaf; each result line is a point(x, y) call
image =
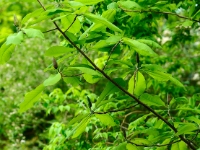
point(76, 119)
point(91, 78)
point(131, 147)
point(99, 19)
point(56, 51)
point(121, 146)
point(81, 127)
point(31, 33)
point(129, 5)
point(137, 84)
point(179, 146)
point(106, 119)
point(89, 2)
point(15, 38)
point(151, 100)
point(31, 98)
point(186, 128)
point(5, 52)
point(53, 79)
point(139, 47)
point(74, 81)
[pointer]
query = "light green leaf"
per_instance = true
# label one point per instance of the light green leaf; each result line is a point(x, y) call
point(153, 67)
point(151, 100)
point(31, 33)
point(53, 79)
point(131, 147)
point(137, 84)
point(55, 51)
point(106, 119)
point(150, 43)
point(30, 98)
point(187, 23)
point(91, 79)
point(85, 69)
point(89, 2)
point(99, 19)
point(129, 5)
point(192, 118)
point(81, 127)
point(160, 76)
point(187, 127)
point(68, 20)
point(76, 119)
point(176, 82)
point(121, 146)
point(15, 38)
point(137, 122)
point(74, 81)
point(6, 52)
point(139, 47)
point(141, 141)
point(179, 146)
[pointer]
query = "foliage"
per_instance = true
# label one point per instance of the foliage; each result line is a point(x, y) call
point(119, 63)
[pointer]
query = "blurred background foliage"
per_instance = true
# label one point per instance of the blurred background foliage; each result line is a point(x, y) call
point(180, 55)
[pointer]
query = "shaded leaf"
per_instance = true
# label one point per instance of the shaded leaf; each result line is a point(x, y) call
point(30, 98)
point(150, 43)
point(187, 127)
point(74, 81)
point(53, 79)
point(106, 119)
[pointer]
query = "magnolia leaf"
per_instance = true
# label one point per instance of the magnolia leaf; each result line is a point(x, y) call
point(121, 146)
point(186, 128)
point(141, 141)
point(106, 119)
point(129, 5)
point(137, 84)
point(176, 82)
point(76, 119)
point(151, 100)
point(139, 47)
point(74, 81)
point(81, 127)
point(91, 78)
point(15, 38)
point(67, 23)
point(131, 147)
point(179, 146)
point(53, 79)
point(89, 2)
point(6, 52)
point(31, 98)
point(99, 19)
point(56, 51)
point(31, 33)
point(150, 43)
point(160, 76)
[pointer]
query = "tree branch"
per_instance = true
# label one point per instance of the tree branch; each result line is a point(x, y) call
point(71, 23)
point(160, 12)
point(49, 30)
point(117, 85)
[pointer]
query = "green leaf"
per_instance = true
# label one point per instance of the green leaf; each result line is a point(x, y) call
point(30, 98)
point(139, 47)
point(186, 128)
point(187, 23)
point(176, 82)
point(6, 52)
point(68, 20)
point(76, 119)
point(151, 100)
point(137, 84)
point(53, 79)
point(141, 141)
point(56, 51)
point(15, 38)
point(99, 19)
point(137, 122)
point(91, 78)
point(150, 43)
point(152, 67)
point(31, 33)
point(179, 146)
point(121, 146)
point(192, 118)
point(129, 5)
point(85, 69)
point(160, 76)
point(81, 127)
point(131, 147)
point(74, 81)
point(89, 2)
point(106, 119)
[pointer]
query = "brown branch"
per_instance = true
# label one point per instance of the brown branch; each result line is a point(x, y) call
point(49, 30)
point(156, 145)
point(116, 110)
point(161, 12)
point(71, 23)
point(110, 54)
point(118, 86)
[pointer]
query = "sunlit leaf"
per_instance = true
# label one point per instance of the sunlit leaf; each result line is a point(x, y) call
point(131, 147)
point(33, 33)
point(187, 127)
point(89, 2)
point(129, 5)
point(76, 119)
point(106, 119)
point(55, 51)
point(31, 98)
point(53, 79)
point(15, 38)
point(6, 52)
point(150, 43)
point(151, 100)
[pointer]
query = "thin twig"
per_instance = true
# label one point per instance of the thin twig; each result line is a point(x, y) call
point(110, 54)
point(71, 23)
point(110, 111)
point(160, 12)
point(156, 145)
point(50, 30)
point(118, 86)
